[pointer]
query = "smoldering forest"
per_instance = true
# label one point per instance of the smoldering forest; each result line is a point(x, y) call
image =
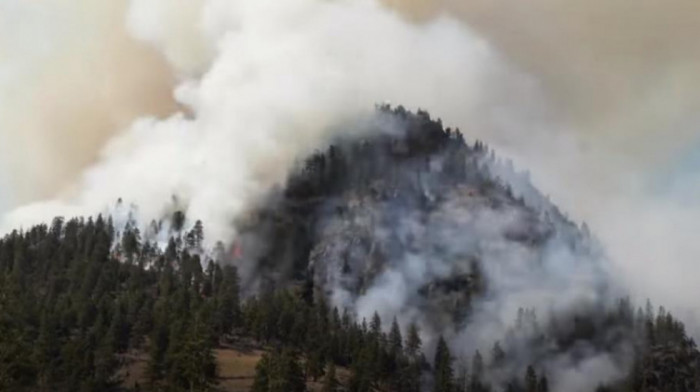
point(414, 166)
point(410, 222)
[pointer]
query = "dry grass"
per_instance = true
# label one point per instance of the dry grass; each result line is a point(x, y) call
point(134, 370)
point(236, 365)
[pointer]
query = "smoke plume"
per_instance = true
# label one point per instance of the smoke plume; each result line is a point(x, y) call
point(621, 79)
point(281, 76)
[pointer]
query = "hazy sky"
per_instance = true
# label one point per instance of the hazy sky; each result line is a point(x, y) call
point(70, 78)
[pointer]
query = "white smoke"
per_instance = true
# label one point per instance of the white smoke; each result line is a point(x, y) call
point(281, 75)
point(522, 267)
point(622, 78)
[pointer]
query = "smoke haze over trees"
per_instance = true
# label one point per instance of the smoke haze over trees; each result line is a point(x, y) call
point(399, 257)
point(595, 98)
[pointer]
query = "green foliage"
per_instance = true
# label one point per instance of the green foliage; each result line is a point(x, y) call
point(330, 382)
point(279, 371)
point(443, 373)
point(76, 296)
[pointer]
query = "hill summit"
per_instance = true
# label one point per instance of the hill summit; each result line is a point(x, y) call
point(404, 256)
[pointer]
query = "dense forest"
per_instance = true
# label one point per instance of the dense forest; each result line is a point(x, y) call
point(78, 295)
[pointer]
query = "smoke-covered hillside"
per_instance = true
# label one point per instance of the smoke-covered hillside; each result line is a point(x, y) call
point(404, 231)
point(410, 221)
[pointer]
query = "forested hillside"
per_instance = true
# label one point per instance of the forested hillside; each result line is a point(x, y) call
point(80, 297)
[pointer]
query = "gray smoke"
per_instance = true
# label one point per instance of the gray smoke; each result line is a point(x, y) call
point(253, 111)
point(621, 80)
point(407, 244)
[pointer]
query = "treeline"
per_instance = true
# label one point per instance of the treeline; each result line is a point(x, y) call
point(298, 327)
point(310, 340)
point(399, 155)
point(76, 296)
point(74, 299)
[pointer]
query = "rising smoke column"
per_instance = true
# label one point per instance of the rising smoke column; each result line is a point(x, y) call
point(280, 76)
point(622, 79)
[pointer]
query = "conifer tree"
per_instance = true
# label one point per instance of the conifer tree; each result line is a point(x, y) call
point(194, 364)
point(498, 356)
point(330, 383)
point(375, 327)
point(476, 384)
point(261, 381)
point(413, 341)
point(530, 380)
point(395, 339)
point(543, 384)
point(443, 373)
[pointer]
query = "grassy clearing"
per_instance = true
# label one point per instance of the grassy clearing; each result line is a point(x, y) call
point(236, 368)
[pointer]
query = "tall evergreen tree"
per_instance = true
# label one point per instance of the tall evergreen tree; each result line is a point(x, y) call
point(543, 384)
point(476, 384)
point(395, 339)
point(330, 382)
point(443, 373)
point(261, 380)
point(530, 380)
point(498, 356)
point(413, 341)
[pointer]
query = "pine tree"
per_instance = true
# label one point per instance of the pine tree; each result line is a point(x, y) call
point(476, 384)
point(195, 362)
point(412, 370)
point(198, 232)
point(261, 381)
point(178, 220)
point(530, 380)
point(498, 356)
point(395, 339)
point(227, 311)
point(131, 241)
point(314, 365)
point(543, 384)
point(462, 380)
point(330, 383)
point(443, 373)
point(361, 378)
point(375, 326)
point(119, 330)
point(413, 341)
point(278, 372)
point(290, 377)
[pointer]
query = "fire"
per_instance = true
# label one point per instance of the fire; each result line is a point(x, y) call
point(236, 251)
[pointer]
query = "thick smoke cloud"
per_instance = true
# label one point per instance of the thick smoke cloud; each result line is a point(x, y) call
point(281, 75)
point(70, 79)
point(379, 249)
point(628, 64)
point(621, 80)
